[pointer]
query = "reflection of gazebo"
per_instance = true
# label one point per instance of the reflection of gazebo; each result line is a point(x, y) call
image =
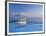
point(20, 19)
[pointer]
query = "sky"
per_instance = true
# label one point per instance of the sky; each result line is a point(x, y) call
point(30, 9)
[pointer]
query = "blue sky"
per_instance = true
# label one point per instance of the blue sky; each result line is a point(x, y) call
point(13, 8)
